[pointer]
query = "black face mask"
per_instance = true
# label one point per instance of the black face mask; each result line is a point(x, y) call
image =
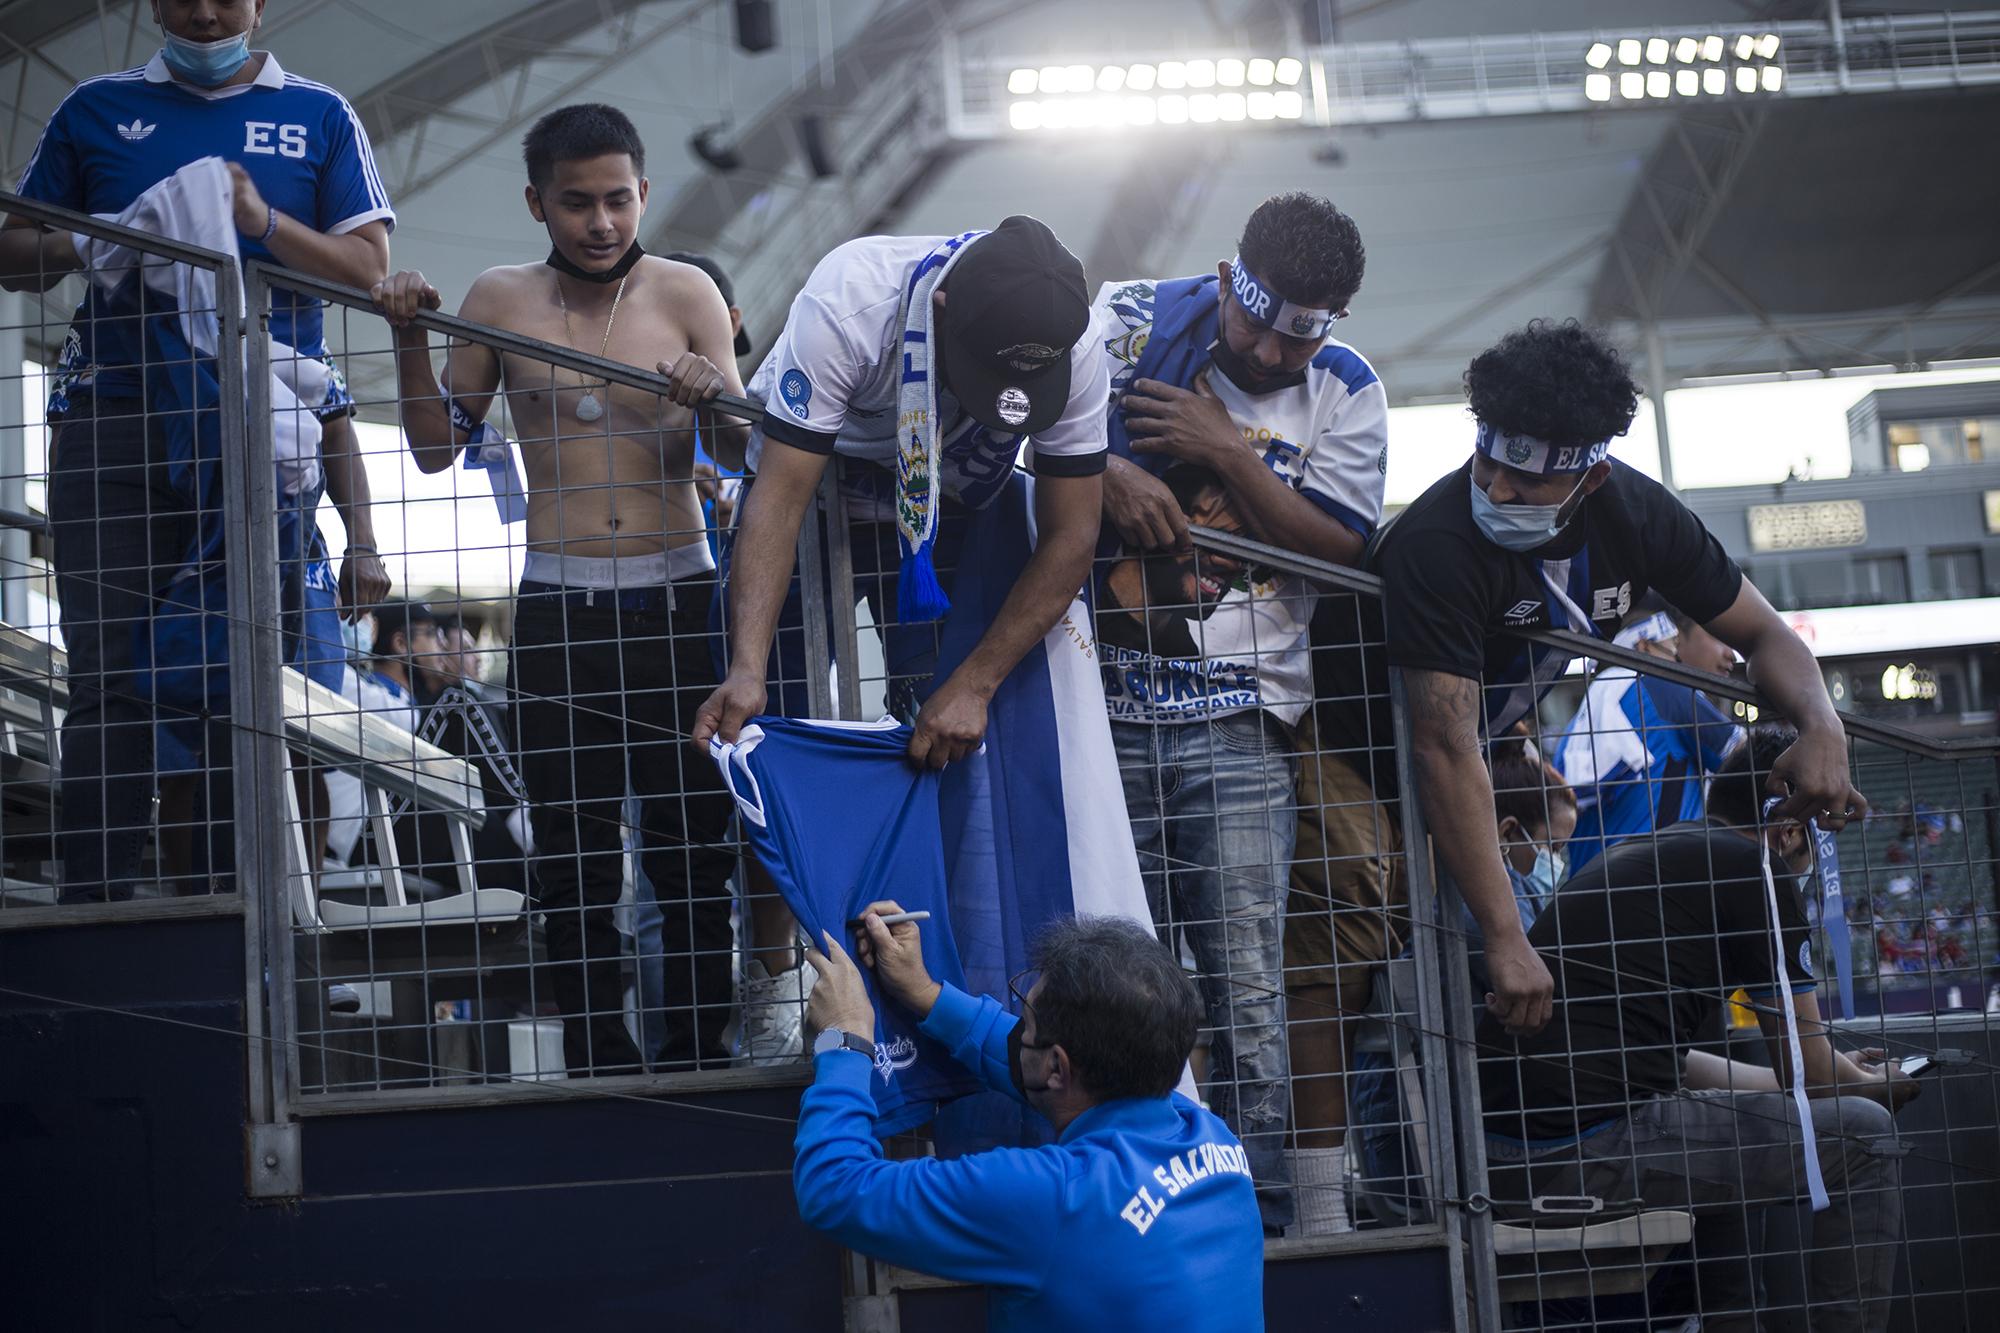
point(1244, 377)
point(1014, 1070)
point(558, 261)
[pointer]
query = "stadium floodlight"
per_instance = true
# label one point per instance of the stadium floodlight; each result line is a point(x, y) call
point(1230, 106)
point(1229, 72)
point(1632, 86)
point(1774, 78)
point(1597, 57)
point(1111, 78)
point(1686, 49)
point(1262, 71)
point(1025, 115)
point(1289, 105)
point(1656, 51)
point(1629, 51)
point(1261, 106)
point(1051, 79)
point(1711, 48)
point(1173, 109)
point(1597, 87)
point(1080, 78)
point(1021, 82)
point(1140, 78)
point(1289, 70)
point(1201, 73)
point(1746, 79)
point(1746, 46)
point(1767, 46)
point(1715, 80)
point(1140, 111)
point(1201, 108)
point(1173, 74)
point(1659, 84)
point(1687, 82)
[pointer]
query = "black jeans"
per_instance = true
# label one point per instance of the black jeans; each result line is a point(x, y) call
point(607, 685)
point(119, 529)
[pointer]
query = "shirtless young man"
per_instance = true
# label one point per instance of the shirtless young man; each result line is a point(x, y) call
point(610, 653)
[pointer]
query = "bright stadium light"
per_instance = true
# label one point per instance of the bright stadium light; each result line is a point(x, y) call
point(1656, 51)
point(1714, 80)
point(1746, 46)
point(1261, 106)
point(1746, 79)
point(1229, 72)
point(1711, 48)
point(1597, 87)
point(1597, 57)
point(1230, 106)
point(1025, 115)
point(1659, 84)
point(1111, 78)
point(1140, 111)
point(1767, 46)
point(1021, 82)
point(1774, 78)
point(1289, 105)
point(1051, 79)
point(1080, 78)
point(1201, 108)
point(1686, 49)
point(1173, 74)
point(1686, 82)
point(1056, 115)
point(1629, 50)
point(1262, 71)
point(1289, 70)
point(1201, 73)
point(1173, 109)
point(1631, 87)
point(1140, 78)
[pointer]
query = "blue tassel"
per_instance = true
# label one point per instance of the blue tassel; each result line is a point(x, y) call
point(919, 597)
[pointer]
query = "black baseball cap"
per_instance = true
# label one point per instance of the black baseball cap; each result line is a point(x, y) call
point(1014, 308)
point(722, 284)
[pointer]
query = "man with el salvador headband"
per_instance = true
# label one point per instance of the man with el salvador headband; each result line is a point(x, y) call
point(1232, 380)
point(1539, 529)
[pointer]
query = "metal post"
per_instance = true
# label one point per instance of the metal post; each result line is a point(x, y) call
point(14, 542)
point(1838, 26)
point(840, 580)
point(1443, 1019)
point(812, 601)
point(1656, 389)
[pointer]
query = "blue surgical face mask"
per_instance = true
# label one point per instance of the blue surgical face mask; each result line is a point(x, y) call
point(1550, 869)
point(207, 64)
point(1518, 527)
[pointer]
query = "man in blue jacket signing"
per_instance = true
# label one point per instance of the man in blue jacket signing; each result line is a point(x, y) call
point(1142, 1214)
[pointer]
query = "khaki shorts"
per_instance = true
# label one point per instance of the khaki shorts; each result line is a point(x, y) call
point(1347, 910)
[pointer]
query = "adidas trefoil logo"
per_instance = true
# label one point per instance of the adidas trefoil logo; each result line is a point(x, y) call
point(137, 130)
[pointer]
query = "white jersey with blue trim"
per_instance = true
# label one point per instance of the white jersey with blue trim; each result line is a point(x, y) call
point(115, 137)
point(830, 382)
point(1327, 438)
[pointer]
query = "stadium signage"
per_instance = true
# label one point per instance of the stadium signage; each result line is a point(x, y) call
point(1818, 525)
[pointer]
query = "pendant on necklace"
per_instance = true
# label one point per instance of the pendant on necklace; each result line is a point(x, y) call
point(588, 408)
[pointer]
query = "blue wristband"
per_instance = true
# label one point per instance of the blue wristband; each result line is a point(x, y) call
point(271, 229)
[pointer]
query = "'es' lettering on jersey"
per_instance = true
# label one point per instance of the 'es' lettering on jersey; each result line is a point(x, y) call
point(259, 136)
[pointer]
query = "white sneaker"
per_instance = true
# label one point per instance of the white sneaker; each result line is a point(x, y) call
point(772, 1026)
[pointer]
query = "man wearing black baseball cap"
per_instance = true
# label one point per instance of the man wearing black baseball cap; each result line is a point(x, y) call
point(927, 363)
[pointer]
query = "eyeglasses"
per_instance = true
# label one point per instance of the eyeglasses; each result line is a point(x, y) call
point(1018, 987)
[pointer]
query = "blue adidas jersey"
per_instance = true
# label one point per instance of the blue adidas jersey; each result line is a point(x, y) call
point(115, 137)
point(840, 818)
point(1635, 754)
point(1142, 1216)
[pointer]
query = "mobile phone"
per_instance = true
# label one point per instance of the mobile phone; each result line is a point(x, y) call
point(1914, 1065)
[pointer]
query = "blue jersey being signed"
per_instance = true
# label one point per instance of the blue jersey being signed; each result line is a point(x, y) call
point(841, 818)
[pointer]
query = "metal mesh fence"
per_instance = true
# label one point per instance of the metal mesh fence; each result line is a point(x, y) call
point(487, 853)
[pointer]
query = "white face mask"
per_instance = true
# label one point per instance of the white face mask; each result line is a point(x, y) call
point(1518, 527)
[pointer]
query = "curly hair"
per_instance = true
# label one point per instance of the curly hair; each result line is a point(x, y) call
point(1306, 248)
point(1556, 382)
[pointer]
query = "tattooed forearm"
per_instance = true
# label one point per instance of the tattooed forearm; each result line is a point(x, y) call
point(1445, 710)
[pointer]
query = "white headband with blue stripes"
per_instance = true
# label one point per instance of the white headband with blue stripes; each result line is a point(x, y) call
point(1528, 454)
point(1266, 307)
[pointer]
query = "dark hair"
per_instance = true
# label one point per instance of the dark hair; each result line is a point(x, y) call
point(393, 618)
point(1305, 248)
point(573, 133)
point(1736, 792)
point(1527, 787)
point(1187, 481)
point(1556, 382)
point(1119, 1002)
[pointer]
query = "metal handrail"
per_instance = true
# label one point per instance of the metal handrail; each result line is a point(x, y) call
point(63, 219)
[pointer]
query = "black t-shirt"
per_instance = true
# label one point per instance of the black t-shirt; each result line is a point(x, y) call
point(1645, 944)
point(1452, 596)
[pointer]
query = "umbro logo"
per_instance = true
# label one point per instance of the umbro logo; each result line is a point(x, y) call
point(136, 131)
point(1521, 611)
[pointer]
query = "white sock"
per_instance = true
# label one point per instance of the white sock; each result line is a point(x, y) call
point(1319, 1178)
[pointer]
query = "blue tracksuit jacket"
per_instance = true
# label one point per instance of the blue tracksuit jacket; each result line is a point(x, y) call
point(1142, 1216)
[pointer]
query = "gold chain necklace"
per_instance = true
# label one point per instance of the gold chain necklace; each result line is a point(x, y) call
point(587, 407)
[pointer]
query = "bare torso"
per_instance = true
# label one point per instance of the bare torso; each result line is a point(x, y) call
point(618, 484)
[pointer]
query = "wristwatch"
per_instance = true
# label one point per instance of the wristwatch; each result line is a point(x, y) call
point(837, 1039)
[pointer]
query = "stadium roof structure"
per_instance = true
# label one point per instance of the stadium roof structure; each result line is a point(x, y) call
point(1840, 222)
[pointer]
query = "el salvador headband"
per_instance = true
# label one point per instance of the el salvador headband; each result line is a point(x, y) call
point(1527, 454)
point(1272, 311)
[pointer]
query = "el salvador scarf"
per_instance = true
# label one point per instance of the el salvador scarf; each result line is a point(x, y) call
point(919, 597)
point(1187, 319)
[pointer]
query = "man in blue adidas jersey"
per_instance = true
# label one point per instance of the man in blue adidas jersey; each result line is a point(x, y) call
point(1234, 406)
point(307, 195)
point(1142, 1214)
point(1639, 747)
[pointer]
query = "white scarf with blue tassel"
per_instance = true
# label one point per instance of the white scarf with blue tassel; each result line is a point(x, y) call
point(919, 596)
